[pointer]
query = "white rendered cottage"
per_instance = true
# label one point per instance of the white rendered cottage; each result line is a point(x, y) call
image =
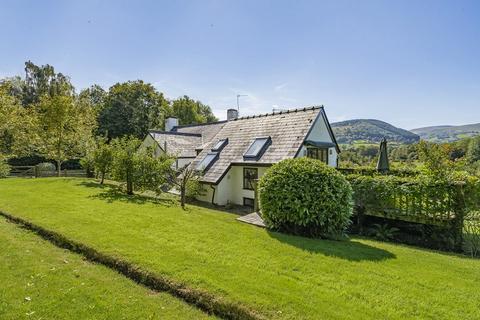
point(232, 154)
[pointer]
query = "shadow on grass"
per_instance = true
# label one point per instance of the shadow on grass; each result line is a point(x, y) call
point(348, 249)
point(112, 194)
point(94, 184)
point(235, 209)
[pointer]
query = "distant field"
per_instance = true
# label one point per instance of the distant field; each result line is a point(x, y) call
point(40, 281)
point(280, 276)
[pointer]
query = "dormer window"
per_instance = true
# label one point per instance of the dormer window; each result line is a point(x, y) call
point(257, 148)
point(220, 145)
point(207, 161)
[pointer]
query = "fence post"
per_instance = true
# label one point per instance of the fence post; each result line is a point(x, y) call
point(360, 211)
point(460, 210)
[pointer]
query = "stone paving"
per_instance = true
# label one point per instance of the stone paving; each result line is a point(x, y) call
point(252, 218)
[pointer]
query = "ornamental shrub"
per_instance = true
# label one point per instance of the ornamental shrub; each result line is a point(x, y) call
point(304, 196)
point(4, 169)
point(46, 169)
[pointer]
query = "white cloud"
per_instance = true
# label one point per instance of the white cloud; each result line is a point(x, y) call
point(280, 87)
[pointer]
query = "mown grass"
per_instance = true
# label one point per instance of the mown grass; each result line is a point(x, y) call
point(281, 276)
point(41, 281)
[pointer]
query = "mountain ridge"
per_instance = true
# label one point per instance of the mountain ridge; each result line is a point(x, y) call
point(371, 131)
point(447, 133)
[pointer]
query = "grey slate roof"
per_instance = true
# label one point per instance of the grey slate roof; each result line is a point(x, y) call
point(179, 145)
point(287, 130)
point(183, 141)
point(207, 130)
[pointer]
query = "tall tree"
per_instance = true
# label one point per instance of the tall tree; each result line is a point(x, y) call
point(95, 95)
point(43, 80)
point(132, 108)
point(189, 111)
point(65, 127)
point(17, 126)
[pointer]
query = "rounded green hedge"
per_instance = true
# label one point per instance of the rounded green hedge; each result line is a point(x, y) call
point(305, 196)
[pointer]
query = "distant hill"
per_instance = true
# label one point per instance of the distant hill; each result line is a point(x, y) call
point(448, 133)
point(370, 131)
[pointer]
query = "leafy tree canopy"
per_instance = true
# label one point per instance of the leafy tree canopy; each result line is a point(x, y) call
point(43, 80)
point(189, 111)
point(132, 108)
point(65, 127)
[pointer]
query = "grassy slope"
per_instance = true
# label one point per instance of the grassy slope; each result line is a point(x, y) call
point(283, 276)
point(60, 285)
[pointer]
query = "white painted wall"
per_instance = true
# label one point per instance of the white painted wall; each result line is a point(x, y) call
point(150, 142)
point(319, 132)
point(230, 189)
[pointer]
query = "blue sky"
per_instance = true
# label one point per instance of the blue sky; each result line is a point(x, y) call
point(411, 63)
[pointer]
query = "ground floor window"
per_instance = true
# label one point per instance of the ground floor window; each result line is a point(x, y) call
point(249, 202)
point(318, 153)
point(249, 177)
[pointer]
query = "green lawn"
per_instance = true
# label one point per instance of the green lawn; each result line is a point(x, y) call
point(40, 281)
point(281, 276)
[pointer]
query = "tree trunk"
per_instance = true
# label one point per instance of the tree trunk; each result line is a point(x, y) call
point(129, 184)
point(103, 177)
point(182, 197)
point(59, 168)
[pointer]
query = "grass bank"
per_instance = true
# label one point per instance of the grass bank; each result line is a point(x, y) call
point(41, 281)
point(281, 276)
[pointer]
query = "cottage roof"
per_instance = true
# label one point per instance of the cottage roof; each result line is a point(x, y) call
point(287, 131)
point(184, 141)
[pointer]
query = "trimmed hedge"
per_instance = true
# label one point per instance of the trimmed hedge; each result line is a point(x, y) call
point(304, 196)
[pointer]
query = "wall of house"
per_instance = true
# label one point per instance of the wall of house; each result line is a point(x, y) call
point(230, 189)
point(319, 132)
point(150, 142)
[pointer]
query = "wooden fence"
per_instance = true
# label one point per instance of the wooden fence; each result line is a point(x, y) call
point(444, 205)
point(34, 172)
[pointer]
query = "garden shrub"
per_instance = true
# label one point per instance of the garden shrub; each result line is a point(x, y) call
point(305, 196)
point(46, 168)
point(4, 169)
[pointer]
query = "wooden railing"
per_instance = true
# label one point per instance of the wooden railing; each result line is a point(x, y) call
point(33, 172)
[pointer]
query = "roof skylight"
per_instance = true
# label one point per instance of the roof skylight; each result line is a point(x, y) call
point(257, 148)
point(220, 145)
point(207, 161)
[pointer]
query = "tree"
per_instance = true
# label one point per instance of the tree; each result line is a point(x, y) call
point(17, 126)
point(95, 96)
point(186, 180)
point(151, 172)
point(123, 166)
point(98, 158)
point(65, 127)
point(473, 151)
point(102, 158)
point(138, 168)
point(435, 159)
point(43, 80)
point(189, 111)
point(132, 108)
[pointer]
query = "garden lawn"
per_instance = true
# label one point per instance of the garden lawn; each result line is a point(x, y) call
point(41, 281)
point(279, 275)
